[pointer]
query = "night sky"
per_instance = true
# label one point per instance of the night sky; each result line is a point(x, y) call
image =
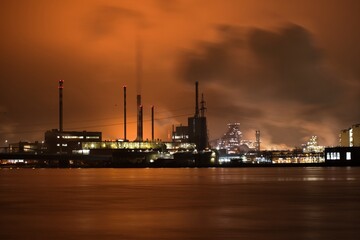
point(290, 68)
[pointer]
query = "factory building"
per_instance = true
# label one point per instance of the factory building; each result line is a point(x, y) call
point(312, 146)
point(348, 151)
point(197, 126)
point(231, 140)
point(350, 137)
point(180, 134)
point(232, 143)
point(196, 131)
point(60, 141)
point(26, 147)
point(66, 141)
point(342, 155)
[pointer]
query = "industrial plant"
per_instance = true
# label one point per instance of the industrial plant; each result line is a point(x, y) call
point(84, 148)
point(189, 146)
point(232, 142)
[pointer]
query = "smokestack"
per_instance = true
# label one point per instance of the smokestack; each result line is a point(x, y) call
point(141, 123)
point(173, 133)
point(152, 123)
point(124, 113)
point(257, 135)
point(138, 65)
point(61, 82)
point(196, 99)
point(203, 107)
point(139, 119)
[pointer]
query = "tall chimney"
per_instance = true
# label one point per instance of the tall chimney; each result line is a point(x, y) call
point(61, 82)
point(202, 106)
point(139, 119)
point(257, 144)
point(141, 123)
point(196, 99)
point(124, 113)
point(152, 123)
point(173, 133)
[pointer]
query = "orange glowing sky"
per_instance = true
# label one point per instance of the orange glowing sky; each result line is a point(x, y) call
point(287, 67)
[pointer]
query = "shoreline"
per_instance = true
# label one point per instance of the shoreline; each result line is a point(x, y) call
point(174, 165)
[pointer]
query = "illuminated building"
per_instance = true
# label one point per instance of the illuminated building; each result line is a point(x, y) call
point(344, 139)
point(349, 150)
point(26, 147)
point(180, 134)
point(231, 140)
point(312, 146)
point(123, 145)
point(150, 145)
point(145, 152)
point(350, 137)
point(67, 141)
point(343, 155)
point(233, 143)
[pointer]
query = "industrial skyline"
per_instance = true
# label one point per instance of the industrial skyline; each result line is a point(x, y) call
point(287, 68)
point(189, 145)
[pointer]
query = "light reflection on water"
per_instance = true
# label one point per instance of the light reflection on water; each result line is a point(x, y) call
point(185, 203)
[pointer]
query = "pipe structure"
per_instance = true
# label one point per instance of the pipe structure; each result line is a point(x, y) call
point(196, 99)
point(257, 135)
point(139, 119)
point(203, 107)
point(124, 113)
point(61, 83)
point(152, 123)
point(173, 133)
point(141, 124)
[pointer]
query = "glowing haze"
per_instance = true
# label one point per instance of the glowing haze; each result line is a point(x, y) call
point(288, 68)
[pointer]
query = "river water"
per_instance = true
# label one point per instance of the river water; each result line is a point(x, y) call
point(180, 203)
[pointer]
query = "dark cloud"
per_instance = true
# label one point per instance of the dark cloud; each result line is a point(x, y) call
point(295, 63)
point(212, 60)
point(286, 64)
point(223, 106)
point(212, 63)
point(283, 70)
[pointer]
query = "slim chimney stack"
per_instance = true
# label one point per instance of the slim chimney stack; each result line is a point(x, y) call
point(257, 143)
point(152, 123)
point(124, 113)
point(61, 82)
point(196, 99)
point(139, 119)
point(203, 107)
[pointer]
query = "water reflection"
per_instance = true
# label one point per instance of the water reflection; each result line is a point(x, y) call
point(242, 203)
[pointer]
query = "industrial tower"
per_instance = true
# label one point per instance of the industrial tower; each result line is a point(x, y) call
point(197, 124)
